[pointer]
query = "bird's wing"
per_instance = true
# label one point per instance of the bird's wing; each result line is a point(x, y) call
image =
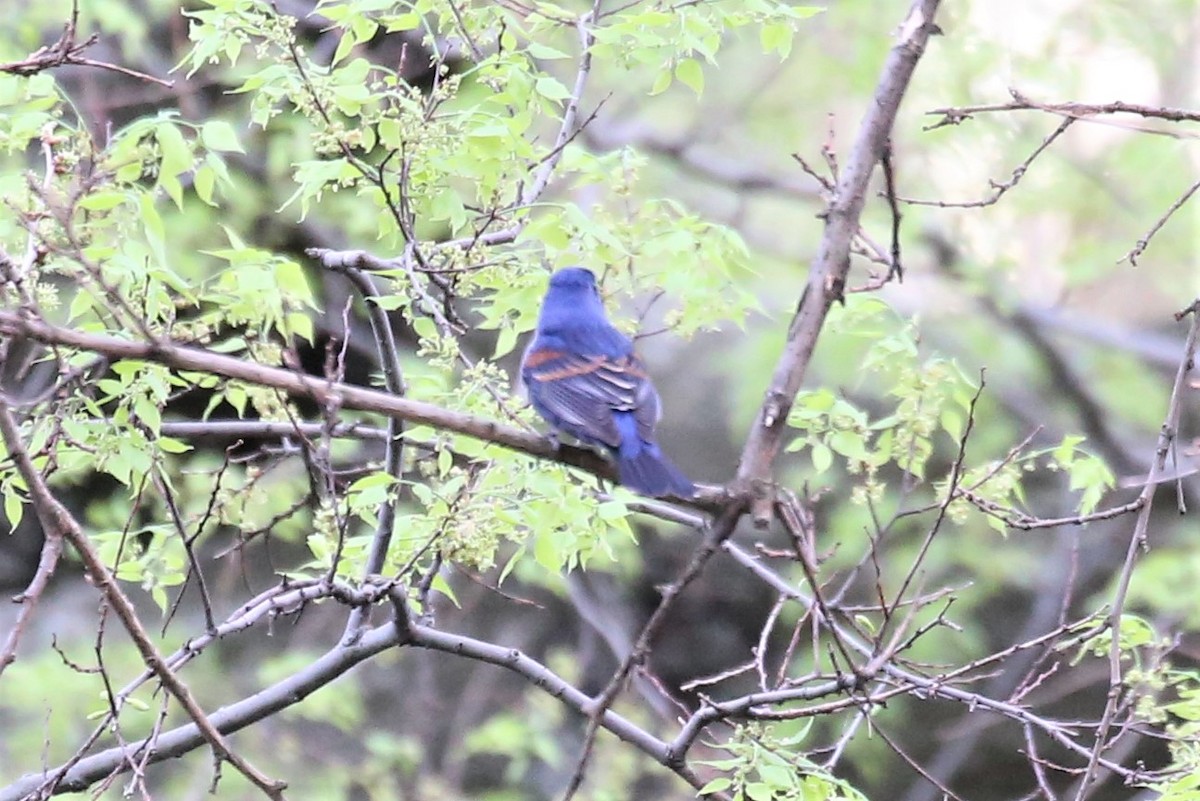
point(584, 391)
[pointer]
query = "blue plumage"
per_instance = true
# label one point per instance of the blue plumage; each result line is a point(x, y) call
point(585, 380)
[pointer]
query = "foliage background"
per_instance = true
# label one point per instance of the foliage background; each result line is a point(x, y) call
point(687, 197)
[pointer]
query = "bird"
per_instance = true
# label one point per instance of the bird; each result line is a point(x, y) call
point(585, 380)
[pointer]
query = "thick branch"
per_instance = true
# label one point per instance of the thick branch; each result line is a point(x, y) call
point(827, 277)
point(183, 357)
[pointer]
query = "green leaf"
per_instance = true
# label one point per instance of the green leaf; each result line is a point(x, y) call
point(378, 479)
point(203, 181)
point(777, 37)
point(612, 510)
point(390, 133)
point(220, 135)
point(103, 200)
point(505, 342)
point(551, 88)
point(998, 525)
point(344, 47)
point(1064, 454)
point(662, 82)
point(439, 584)
point(777, 775)
point(174, 189)
point(689, 72)
point(14, 508)
point(541, 51)
point(152, 224)
point(546, 553)
point(172, 445)
point(290, 278)
point(233, 48)
point(300, 325)
point(406, 21)
point(148, 413)
point(759, 791)
point(717, 785)
point(822, 457)
point(952, 422)
point(849, 444)
point(176, 155)
point(426, 329)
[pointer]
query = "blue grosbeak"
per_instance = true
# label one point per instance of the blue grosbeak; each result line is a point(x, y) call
point(585, 380)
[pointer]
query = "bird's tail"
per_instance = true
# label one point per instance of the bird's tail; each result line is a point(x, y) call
point(651, 473)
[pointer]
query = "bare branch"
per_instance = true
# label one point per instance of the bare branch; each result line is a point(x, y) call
point(58, 522)
point(1144, 242)
point(718, 533)
point(183, 357)
point(68, 50)
point(51, 551)
point(999, 188)
point(957, 114)
point(393, 379)
point(827, 278)
point(1138, 542)
point(339, 660)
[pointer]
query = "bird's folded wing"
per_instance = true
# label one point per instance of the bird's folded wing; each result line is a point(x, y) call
point(585, 390)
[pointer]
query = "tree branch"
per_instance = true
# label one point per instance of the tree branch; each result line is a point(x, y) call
point(47, 563)
point(827, 277)
point(57, 522)
point(955, 115)
point(69, 50)
point(188, 358)
point(292, 690)
point(393, 460)
point(1138, 542)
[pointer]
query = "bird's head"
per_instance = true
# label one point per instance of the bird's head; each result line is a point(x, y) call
point(572, 301)
point(573, 278)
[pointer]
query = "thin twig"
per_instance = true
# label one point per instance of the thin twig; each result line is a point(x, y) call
point(1138, 543)
point(1144, 242)
point(52, 546)
point(999, 188)
point(957, 114)
point(393, 460)
point(68, 50)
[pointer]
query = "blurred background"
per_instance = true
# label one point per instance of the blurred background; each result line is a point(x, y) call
point(1035, 288)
